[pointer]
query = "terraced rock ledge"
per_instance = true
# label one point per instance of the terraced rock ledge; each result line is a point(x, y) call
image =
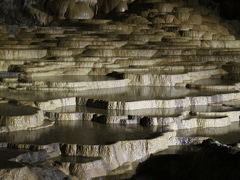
point(90, 96)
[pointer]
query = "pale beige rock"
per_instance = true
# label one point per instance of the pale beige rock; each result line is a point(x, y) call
point(171, 45)
point(41, 17)
point(88, 170)
point(17, 174)
point(164, 7)
point(160, 20)
point(120, 53)
point(60, 7)
point(145, 104)
point(117, 154)
point(183, 16)
point(80, 10)
point(22, 53)
point(78, 86)
point(134, 19)
point(195, 19)
point(33, 173)
point(14, 121)
point(122, 6)
point(169, 18)
point(53, 104)
point(22, 122)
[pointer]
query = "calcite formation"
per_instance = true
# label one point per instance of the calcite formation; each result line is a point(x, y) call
point(162, 70)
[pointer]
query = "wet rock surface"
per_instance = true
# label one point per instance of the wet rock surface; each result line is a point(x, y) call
point(103, 85)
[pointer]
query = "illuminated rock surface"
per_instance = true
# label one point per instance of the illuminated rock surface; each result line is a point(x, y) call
point(89, 96)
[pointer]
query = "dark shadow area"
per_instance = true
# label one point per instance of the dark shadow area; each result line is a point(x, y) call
point(207, 161)
point(6, 154)
point(228, 9)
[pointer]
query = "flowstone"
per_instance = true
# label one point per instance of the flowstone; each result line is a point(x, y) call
point(107, 83)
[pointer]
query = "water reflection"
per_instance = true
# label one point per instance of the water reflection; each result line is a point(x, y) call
point(215, 81)
point(226, 135)
point(81, 132)
point(117, 94)
point(7, 109)
point(72, 78)
point(4, 74)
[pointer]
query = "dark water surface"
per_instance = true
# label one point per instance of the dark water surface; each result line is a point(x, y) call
point(114, 94)
point(226, 135)
point(81, 132)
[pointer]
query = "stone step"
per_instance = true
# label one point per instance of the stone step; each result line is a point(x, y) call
point(120, 53)
point(19, 46)
point(59, 52)
point(174, 79)
point(157, 103)
point(176, 39)
point(19, 117)
point(221, 44)
point(212, 51)
point(213, 58)
point(175, 52)
point(83, 44)
point(77, 86)
point(74, 70)
point(198, 35)
point(5, 64)
point(164, 7)
point(22, 53)
point(223, 37)
point(193, 43)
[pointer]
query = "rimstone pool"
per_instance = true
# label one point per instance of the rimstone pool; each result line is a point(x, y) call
point(100, 89)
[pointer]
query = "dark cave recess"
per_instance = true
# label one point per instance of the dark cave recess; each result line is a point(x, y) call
point(228, 9)
point(13, 11)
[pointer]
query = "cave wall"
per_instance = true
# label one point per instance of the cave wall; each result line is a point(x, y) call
point(228, 9)
point(14, 11)
point(29, 12)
